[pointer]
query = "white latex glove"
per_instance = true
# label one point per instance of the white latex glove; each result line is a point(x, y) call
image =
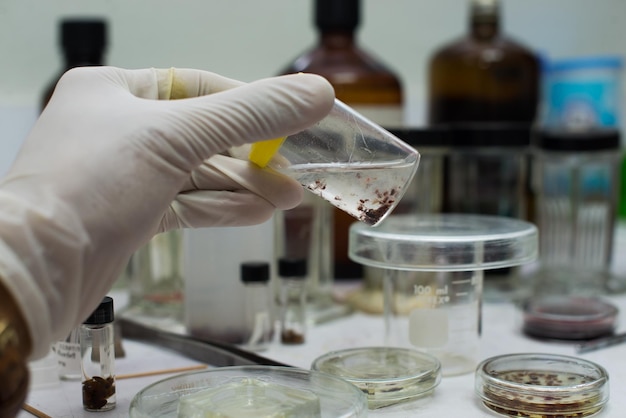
point(106, 167)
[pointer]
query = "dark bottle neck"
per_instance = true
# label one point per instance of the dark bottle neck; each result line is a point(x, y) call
point(485, 31)
point(484, 22)
point(83, 58)
point(337, 21)
point(337, 38)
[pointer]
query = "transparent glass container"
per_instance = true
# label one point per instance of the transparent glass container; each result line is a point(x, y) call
point(346, 159)
point(98, 358)
point(306, 232)
point(336, 397)
point(542, 385)
point(576, 178)
point(155, 278)
point(258, 305)
point(388, 375)
point(434, 266)
point(293, 322)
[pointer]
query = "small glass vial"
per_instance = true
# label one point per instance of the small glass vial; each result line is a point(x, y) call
point(292, 276)
point(255, 276)
point(98, 358)
point(68, 356)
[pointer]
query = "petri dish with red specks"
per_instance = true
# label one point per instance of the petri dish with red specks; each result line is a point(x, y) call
point(572, 318)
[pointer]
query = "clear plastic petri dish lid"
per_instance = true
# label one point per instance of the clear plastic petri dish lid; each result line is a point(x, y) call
point(444, 242)
point(542, 385)
point(569, 317)
point(250, 391)
point(388, 375)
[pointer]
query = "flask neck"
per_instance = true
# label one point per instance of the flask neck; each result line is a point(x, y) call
point(484, 19)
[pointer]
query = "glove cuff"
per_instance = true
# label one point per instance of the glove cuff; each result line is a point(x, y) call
point(41, 260)
point(20, 285)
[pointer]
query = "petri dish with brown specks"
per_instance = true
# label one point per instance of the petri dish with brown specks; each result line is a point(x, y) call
point(537, 385)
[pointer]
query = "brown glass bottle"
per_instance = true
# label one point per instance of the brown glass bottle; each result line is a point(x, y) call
point(484, 76)
point(486, 86)
point(83, 43)
point(360, 80)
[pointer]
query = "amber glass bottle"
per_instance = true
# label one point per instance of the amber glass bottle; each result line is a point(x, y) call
point(485, 80)
point(485, 86)
point(485, 76)
point(360, 80)
point(83, 43)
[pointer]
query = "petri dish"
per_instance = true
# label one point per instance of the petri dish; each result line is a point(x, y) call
point(569, 318)
point(254, 391)
point(444, 242)
point(542, 385)
point(387, 375)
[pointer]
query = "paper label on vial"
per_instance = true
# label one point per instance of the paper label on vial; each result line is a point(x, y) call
point(428, 328)
point(68, 357)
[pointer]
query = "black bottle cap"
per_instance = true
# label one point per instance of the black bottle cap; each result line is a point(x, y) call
point(337, 14)
point(292, 267)
point(83, 34)
point(591, 140)
point(103, 314)
point(255, 271)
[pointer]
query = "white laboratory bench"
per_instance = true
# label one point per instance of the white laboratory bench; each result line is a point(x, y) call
point(453, 397)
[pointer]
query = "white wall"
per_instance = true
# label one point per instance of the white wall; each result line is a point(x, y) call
point(250, 39)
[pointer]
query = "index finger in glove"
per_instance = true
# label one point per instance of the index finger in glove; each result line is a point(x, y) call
point(200, 127)
point(175, 83)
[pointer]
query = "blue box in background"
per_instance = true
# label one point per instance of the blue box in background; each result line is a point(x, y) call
point(582, 93)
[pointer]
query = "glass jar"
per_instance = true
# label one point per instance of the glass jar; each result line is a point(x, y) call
point(576, 178)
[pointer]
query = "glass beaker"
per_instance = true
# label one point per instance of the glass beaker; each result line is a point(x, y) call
point(440, 311)
point(155, 280)
point(433, 268)
point(347, 160)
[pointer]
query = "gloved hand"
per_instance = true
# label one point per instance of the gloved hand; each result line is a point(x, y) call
point(107, 166)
